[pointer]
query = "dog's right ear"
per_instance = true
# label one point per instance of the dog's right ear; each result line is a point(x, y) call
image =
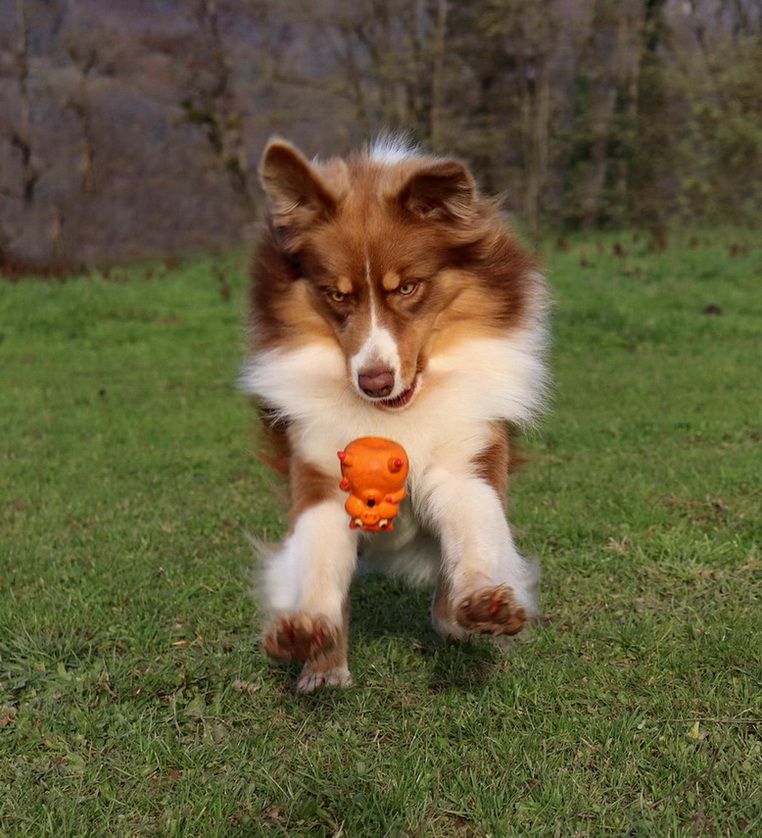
point(443, 189)
point(295, 192)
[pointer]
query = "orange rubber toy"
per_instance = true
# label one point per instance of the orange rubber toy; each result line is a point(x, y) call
point(373, 471)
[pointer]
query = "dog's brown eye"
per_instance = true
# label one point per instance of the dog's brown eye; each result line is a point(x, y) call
point(337, 296)
point(407, 288)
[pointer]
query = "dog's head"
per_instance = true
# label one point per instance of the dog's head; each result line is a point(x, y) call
point(392, 255)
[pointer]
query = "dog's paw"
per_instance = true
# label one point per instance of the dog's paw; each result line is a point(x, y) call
point(491, 611)
point(298, 637)
point(314, 678)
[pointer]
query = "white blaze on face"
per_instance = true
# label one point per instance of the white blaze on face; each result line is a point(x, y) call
point(379, 351)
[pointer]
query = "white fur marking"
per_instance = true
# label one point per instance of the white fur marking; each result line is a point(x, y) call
point(312, 570)
point(310, 681)
point(474, 383)
point(392, 148)
point(379, 350)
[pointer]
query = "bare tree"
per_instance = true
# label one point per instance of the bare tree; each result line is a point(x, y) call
point(585, 112)
point(527, 37)
point(437, 76)
point(84, 55)
point(606, 85)
point(391, 63)
point(210, 102)
point(21, 134)
point(650, 159)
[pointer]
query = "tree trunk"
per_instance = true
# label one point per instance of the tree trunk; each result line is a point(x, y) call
point(437, 80)
point(22, 138)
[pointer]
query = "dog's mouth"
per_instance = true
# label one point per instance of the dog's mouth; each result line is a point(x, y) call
point(404, 398)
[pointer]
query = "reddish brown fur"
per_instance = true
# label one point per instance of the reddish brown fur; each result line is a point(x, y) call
point(493, 461)
point(300, 637)
point(491, 610)
point(473, 269)
point(309, 486)
point(336, 657)
point(273, 447)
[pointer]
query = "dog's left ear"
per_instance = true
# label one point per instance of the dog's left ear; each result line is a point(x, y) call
point(297, 195)
point(443, 190)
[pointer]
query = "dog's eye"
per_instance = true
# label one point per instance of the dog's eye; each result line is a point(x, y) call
point(337, 296)
point(407, 288)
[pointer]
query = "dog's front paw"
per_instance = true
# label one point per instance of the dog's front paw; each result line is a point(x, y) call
point(491, 610)
point(315, 677)
point(298, 637)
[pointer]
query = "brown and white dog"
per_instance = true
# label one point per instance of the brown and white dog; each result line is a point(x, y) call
point(388, 299)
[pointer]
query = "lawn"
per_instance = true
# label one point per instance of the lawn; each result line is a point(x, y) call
point(134, 697)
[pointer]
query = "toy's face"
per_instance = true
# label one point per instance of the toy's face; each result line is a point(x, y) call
point(374, 473)
point(371, 514)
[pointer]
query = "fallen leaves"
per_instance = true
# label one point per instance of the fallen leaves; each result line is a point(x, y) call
point(617, 546)
point(7, 715)
point(696, 733)
point(246, 687)
point(706, 510)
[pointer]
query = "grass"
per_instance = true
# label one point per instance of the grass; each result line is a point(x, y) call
point(134, 698)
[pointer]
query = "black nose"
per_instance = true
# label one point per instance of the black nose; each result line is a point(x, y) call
point(371, 502)
point(376, 383)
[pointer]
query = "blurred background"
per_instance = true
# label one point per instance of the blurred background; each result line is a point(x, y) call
point(132, 129)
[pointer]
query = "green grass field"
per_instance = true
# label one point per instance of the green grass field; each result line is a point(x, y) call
point(134, 697)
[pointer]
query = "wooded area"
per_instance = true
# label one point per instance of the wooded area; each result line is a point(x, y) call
point(133, 129)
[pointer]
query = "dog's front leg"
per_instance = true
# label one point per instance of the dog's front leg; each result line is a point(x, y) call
point(487, 586)
point(306, 586)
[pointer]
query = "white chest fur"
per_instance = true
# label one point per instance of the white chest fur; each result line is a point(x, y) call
point(476, 382)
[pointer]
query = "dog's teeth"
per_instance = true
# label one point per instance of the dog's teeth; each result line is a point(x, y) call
point(383, 523)
point(358, 522)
